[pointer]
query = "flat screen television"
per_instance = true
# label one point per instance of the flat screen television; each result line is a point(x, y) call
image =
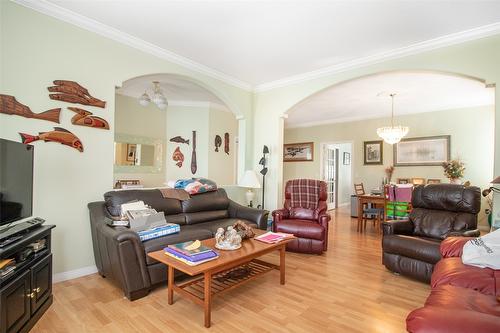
point(16, 181)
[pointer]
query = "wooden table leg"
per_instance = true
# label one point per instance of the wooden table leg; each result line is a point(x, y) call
point(170, 279)
point(208, 298)
point(282, 264)
point(360, 214)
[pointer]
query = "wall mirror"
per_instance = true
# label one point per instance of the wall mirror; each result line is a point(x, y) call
point(137, 154)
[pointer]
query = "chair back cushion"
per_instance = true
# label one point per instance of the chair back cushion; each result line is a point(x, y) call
point(306, 213)
point(439, 209)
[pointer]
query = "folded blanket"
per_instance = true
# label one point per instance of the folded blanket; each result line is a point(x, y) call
point(173, 193)
point(483, 251)
point(196, 185)
point(304, 193)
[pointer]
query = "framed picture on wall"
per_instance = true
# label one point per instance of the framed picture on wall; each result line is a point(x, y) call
point(346, 159)
point(373, 152)
point(424, 151)
point(131, 149)
point(296, 152)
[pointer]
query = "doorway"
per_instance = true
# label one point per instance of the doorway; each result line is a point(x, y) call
point(336, 171)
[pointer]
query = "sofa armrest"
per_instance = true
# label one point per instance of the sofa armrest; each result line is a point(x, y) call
point(257, 216)
point(323, 219)
point(465, 233)
point(452, 246)
point(397, 227)
point(280, 214)
point(119, 252)
point(440, 319)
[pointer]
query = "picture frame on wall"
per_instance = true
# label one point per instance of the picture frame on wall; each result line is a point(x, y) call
point(373, 152)
point(346, 158)
point(422, 151)
point(298, 152)
point(131, 150)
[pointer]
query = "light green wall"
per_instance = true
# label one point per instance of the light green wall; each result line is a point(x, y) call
point(472, 138)
point(221, 166)
point(181, 121)
point(479, 58)
point(37, 49)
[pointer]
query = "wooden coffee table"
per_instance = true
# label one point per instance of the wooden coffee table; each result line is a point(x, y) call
point(209, 282)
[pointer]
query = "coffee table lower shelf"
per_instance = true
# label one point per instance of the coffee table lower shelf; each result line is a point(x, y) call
point(195, 288)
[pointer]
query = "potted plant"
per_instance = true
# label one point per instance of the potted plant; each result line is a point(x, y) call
point(454, 170)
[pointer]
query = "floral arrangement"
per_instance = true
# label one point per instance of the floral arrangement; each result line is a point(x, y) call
point(388, 172)
point(454, 169)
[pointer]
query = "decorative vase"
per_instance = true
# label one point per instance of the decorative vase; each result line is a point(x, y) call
point(455, 181)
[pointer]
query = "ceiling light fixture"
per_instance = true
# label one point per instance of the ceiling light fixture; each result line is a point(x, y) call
point(392, 134)
point(157, 97)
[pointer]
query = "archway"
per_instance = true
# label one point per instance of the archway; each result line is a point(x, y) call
point(195, 114)
point(306, 106)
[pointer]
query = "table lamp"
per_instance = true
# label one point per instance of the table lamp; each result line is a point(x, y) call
point(250, 181)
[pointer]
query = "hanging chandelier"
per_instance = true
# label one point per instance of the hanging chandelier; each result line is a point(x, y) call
point(392, 134)
point(157, 97)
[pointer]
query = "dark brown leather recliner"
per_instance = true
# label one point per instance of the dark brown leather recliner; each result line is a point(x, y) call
point(310, 226)
point(439, 210)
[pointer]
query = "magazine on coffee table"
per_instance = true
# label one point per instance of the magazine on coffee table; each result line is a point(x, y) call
point(273, 237)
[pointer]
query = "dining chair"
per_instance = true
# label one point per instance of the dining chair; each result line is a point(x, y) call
point(376, 212)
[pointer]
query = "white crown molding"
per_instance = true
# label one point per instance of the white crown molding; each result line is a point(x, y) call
point(432, 44)
point(86, 23)
point(76, 273)
point(89, 24)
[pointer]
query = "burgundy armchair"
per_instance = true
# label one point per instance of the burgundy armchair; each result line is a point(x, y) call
point(309, 224)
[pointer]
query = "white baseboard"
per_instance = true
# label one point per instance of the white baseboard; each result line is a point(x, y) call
point(344, 204)
point(76, 273)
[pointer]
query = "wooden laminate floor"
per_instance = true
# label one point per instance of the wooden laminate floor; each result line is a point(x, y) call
point(345, 290)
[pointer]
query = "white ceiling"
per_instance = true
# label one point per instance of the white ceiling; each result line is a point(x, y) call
point(178, 91)
point(257, 42)
point(368, 97)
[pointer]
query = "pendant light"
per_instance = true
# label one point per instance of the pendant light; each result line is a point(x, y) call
point(157, 97)
point(392, 134)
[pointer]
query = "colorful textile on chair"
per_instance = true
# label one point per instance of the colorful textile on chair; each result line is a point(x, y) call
point(397, 210)
point(400, 192)
point(196, 185)
point(304, 193)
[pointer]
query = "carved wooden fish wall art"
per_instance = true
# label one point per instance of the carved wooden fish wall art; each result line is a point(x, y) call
point(9, 105)
point(178, 157)
point(72, 92)
point(86, 118)
point(194, 165)
point(59, 134)
point(179, 139)
point(218, 142)
point(226, 143)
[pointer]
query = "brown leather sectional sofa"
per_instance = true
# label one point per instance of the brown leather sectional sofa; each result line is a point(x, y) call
point(121, 256)
point(411, 247)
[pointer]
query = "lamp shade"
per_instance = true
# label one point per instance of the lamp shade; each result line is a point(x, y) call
point(249, 180)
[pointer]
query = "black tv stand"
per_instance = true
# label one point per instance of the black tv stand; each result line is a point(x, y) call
point(26, 291)
point(12, 233)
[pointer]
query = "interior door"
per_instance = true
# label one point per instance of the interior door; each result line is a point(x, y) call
point(330, 172)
